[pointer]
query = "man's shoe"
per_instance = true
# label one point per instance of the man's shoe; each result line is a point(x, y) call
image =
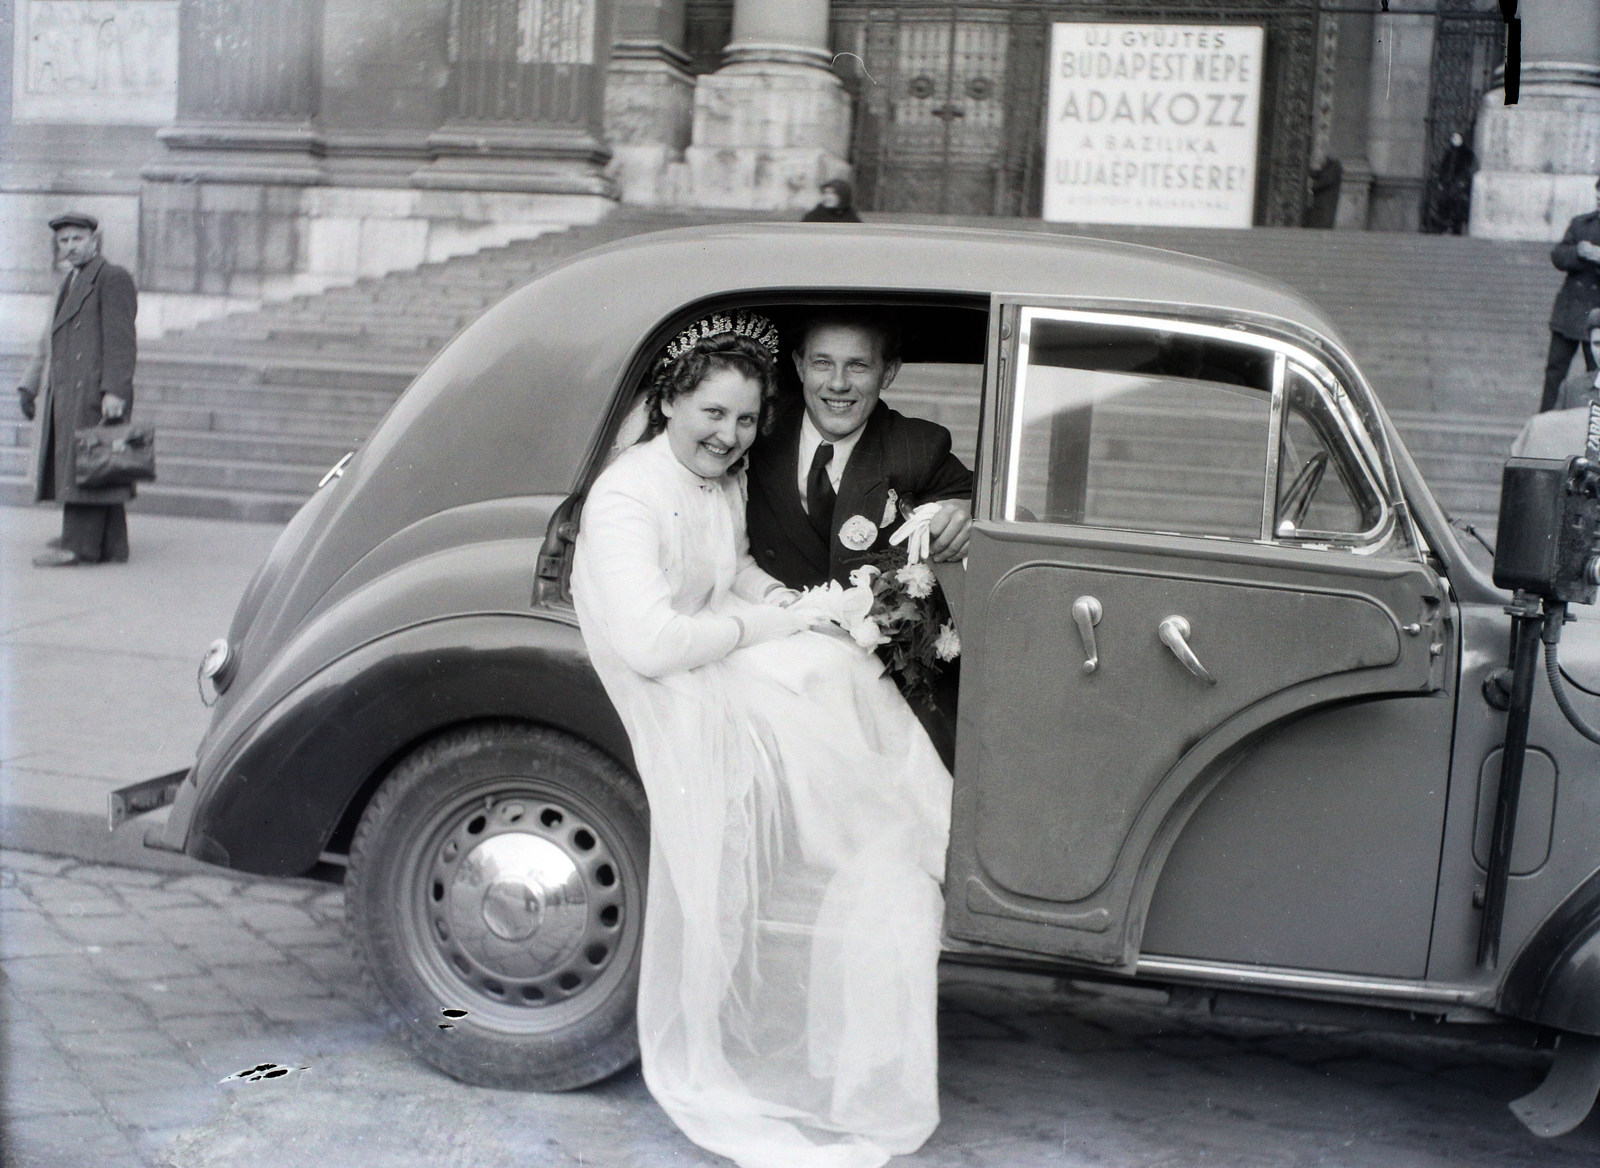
point(58, 558)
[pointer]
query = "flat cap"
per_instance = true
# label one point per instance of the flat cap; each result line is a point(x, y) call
point(75, 219)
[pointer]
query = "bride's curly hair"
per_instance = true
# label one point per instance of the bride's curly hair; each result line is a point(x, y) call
point(675, 378)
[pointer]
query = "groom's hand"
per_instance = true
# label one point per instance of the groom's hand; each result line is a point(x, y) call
point(950, 530)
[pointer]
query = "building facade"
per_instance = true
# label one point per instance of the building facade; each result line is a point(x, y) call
point(244, 150)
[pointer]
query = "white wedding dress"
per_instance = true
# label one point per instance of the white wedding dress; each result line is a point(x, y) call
point(799, 817)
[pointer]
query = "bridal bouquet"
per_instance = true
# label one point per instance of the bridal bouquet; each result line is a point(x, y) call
point(893, 605)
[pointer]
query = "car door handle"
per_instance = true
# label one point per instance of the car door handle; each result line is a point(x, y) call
point(1086, 611)
point(1175, 636)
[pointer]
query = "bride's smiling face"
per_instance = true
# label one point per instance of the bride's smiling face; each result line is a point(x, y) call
point(710, 429)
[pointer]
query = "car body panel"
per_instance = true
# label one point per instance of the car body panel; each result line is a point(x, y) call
point(401, 601)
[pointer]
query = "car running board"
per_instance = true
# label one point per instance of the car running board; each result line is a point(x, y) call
point(1568, 1092)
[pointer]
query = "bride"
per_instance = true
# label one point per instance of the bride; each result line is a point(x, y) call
point(799, 813)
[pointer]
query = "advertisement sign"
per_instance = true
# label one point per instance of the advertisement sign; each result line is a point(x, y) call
point(1153, 123)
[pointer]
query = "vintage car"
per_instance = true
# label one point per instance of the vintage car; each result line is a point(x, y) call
point(1223, 723)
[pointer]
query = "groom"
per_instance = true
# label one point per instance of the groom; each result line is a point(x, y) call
point(827, 486)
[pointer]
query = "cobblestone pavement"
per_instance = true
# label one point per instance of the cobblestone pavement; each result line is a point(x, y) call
point(130, 997)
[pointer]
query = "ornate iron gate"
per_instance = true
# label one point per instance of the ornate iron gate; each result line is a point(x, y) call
point(950, 97)
point(1468, 46)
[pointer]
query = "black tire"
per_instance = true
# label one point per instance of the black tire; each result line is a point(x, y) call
point(500, 871)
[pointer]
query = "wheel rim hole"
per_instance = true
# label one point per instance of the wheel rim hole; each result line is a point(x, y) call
point(438, 890)
point(512, 812)
point(461, 964)
point(582, 839)
point(451, 851)
point(477, 824)
point(569, 981)
point(609, 916)
point(604, 876)
point(596, 954)
point(532, 994)
point(550, 817)
point(442, 929)
point(494, 987)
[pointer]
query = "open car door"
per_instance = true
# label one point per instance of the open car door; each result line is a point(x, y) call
point(1187, 541)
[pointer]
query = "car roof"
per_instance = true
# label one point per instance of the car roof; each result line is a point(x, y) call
point(510, 407)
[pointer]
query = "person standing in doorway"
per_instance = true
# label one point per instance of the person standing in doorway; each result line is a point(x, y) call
point(1578, 255)
point(84, 375)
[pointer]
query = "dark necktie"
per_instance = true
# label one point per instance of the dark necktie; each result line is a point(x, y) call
point(819, 491)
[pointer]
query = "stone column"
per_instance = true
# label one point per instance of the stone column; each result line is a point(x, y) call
point(218, 212)
point(773, 123)
point(1397, 143)
point(526, 99)
point(1538, 159)
point(1350, 125)
point(649, 101)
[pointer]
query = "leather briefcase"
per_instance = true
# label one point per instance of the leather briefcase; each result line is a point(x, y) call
point(114, 456)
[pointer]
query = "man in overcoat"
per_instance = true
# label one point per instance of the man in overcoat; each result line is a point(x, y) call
point(829, 484)
point(82, 375)
point(1578, 255)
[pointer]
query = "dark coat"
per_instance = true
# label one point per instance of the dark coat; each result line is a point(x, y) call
point(907, 455)
point(88, 353)
point(1581, 290)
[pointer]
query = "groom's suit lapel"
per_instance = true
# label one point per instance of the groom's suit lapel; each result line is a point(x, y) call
point(776, 461)
point(861, 488)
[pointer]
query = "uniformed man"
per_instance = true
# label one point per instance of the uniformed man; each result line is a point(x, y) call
point(1578, 255)
point(84, 374)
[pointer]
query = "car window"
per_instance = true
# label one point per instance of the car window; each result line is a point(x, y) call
point(1323, 487)
point(1139, 427)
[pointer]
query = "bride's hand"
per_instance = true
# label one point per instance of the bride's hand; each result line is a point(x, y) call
point(781, 597)
point(769, 623)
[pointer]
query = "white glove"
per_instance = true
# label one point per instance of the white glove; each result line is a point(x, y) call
point(769, 623)
point(914, 532)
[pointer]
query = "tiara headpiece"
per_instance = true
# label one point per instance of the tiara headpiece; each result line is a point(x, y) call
point(739, 322)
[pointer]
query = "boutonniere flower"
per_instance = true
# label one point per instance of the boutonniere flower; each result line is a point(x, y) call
point(858, 533)
point(891, 508)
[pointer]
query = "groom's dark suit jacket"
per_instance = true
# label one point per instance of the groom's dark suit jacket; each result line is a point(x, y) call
point(909, 456)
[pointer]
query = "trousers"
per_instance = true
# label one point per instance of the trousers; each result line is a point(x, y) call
point(96, 532)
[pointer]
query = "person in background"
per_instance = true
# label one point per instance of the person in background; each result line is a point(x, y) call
point(1578, 388)
point(835, 206)
point(1325, 182)
point(1451, 201)
point(1578, 255)
point(1563, 431)
point(84, 373)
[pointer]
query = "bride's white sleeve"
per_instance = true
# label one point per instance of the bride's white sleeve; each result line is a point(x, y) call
point(626, 586)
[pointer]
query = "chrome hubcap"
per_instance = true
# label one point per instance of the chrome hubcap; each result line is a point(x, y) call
point(523, 900)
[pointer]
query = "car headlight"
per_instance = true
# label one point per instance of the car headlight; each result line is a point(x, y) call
point(217, 665)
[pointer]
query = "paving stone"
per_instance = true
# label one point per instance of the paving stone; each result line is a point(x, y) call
point(163, 1108)
point(119, 929)
point(199, 1034)
point(212, 888)
point(60, 1094)
point(311, 936)
point(143, 963)
point(140, 899)
point(235, 951)
point(252, 987)
point(81, 1013)
point(14, 900)
point(322, 1011)
point(187, 997)
point(265, 917)
point(33, 936)
point(140, 1073)
point(120, 1044)
point(79, 1141)
point(114, 875)
point(64, 972)
point(33, 862)
point(285, 891)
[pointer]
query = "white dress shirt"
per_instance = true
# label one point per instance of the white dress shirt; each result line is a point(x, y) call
point(810, 439)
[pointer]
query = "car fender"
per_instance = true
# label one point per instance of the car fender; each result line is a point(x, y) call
point(1555, 979)
point(272, 804)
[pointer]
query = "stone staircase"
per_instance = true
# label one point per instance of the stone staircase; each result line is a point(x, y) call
point(252, 409)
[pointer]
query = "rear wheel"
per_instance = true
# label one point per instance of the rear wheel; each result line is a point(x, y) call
point(495, 897)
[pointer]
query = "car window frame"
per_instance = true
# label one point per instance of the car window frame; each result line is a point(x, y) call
point(1361, 422)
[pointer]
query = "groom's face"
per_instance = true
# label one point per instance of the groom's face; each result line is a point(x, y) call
point(842, 374)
